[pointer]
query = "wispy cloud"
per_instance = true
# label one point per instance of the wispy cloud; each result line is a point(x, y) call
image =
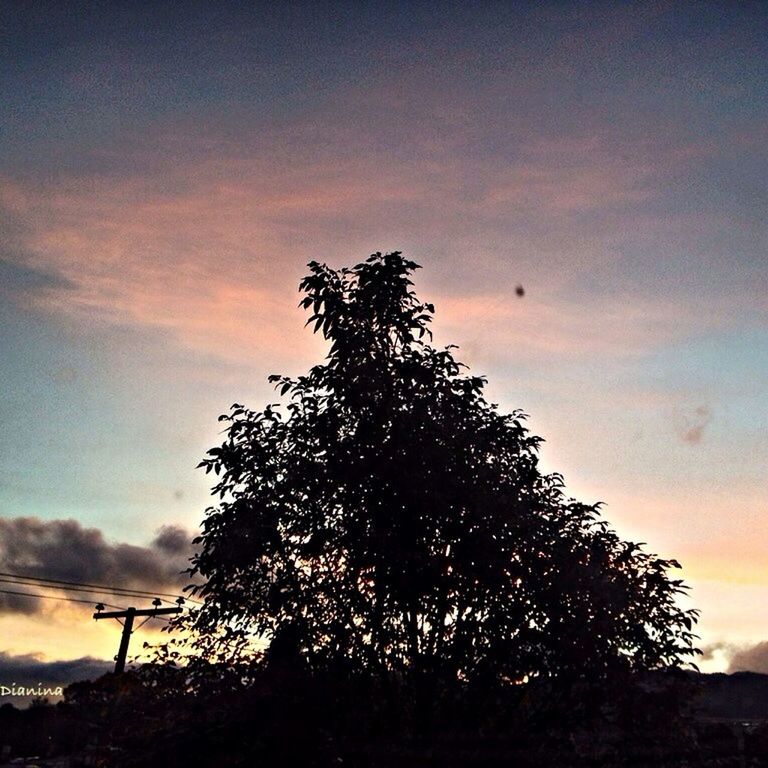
point(550, 326)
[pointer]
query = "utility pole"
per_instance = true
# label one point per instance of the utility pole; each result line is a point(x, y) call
point(129, 614)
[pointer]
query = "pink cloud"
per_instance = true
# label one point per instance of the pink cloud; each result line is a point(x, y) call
point(205, 236)
point(549, 326)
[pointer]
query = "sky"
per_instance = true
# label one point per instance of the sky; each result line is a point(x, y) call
point(167, 170)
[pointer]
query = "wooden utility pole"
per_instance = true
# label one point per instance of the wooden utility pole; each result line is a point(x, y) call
point(129, 614)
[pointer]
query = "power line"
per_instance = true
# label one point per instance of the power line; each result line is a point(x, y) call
point(54, 597)
point(133, 592)
point(112, 590)
point(149, 618)
point(76, 589)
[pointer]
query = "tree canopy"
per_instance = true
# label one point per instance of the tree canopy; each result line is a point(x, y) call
point(386, 518)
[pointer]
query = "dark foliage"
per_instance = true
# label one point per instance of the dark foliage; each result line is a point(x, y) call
point(388, 521)
point(149, 717)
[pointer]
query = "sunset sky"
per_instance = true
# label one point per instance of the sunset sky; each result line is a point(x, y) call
point(168, 169)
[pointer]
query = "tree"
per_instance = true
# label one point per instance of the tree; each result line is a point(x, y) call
point(387, 519)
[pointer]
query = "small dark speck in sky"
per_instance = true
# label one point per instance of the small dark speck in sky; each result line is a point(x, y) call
point(520, 291)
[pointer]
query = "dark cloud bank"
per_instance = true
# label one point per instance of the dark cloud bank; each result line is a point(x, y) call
point(741, 658)
point(751, 659)
point(63, 549)
point(19, 674)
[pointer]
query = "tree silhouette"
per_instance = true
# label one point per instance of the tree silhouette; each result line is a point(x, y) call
point(387, 519)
